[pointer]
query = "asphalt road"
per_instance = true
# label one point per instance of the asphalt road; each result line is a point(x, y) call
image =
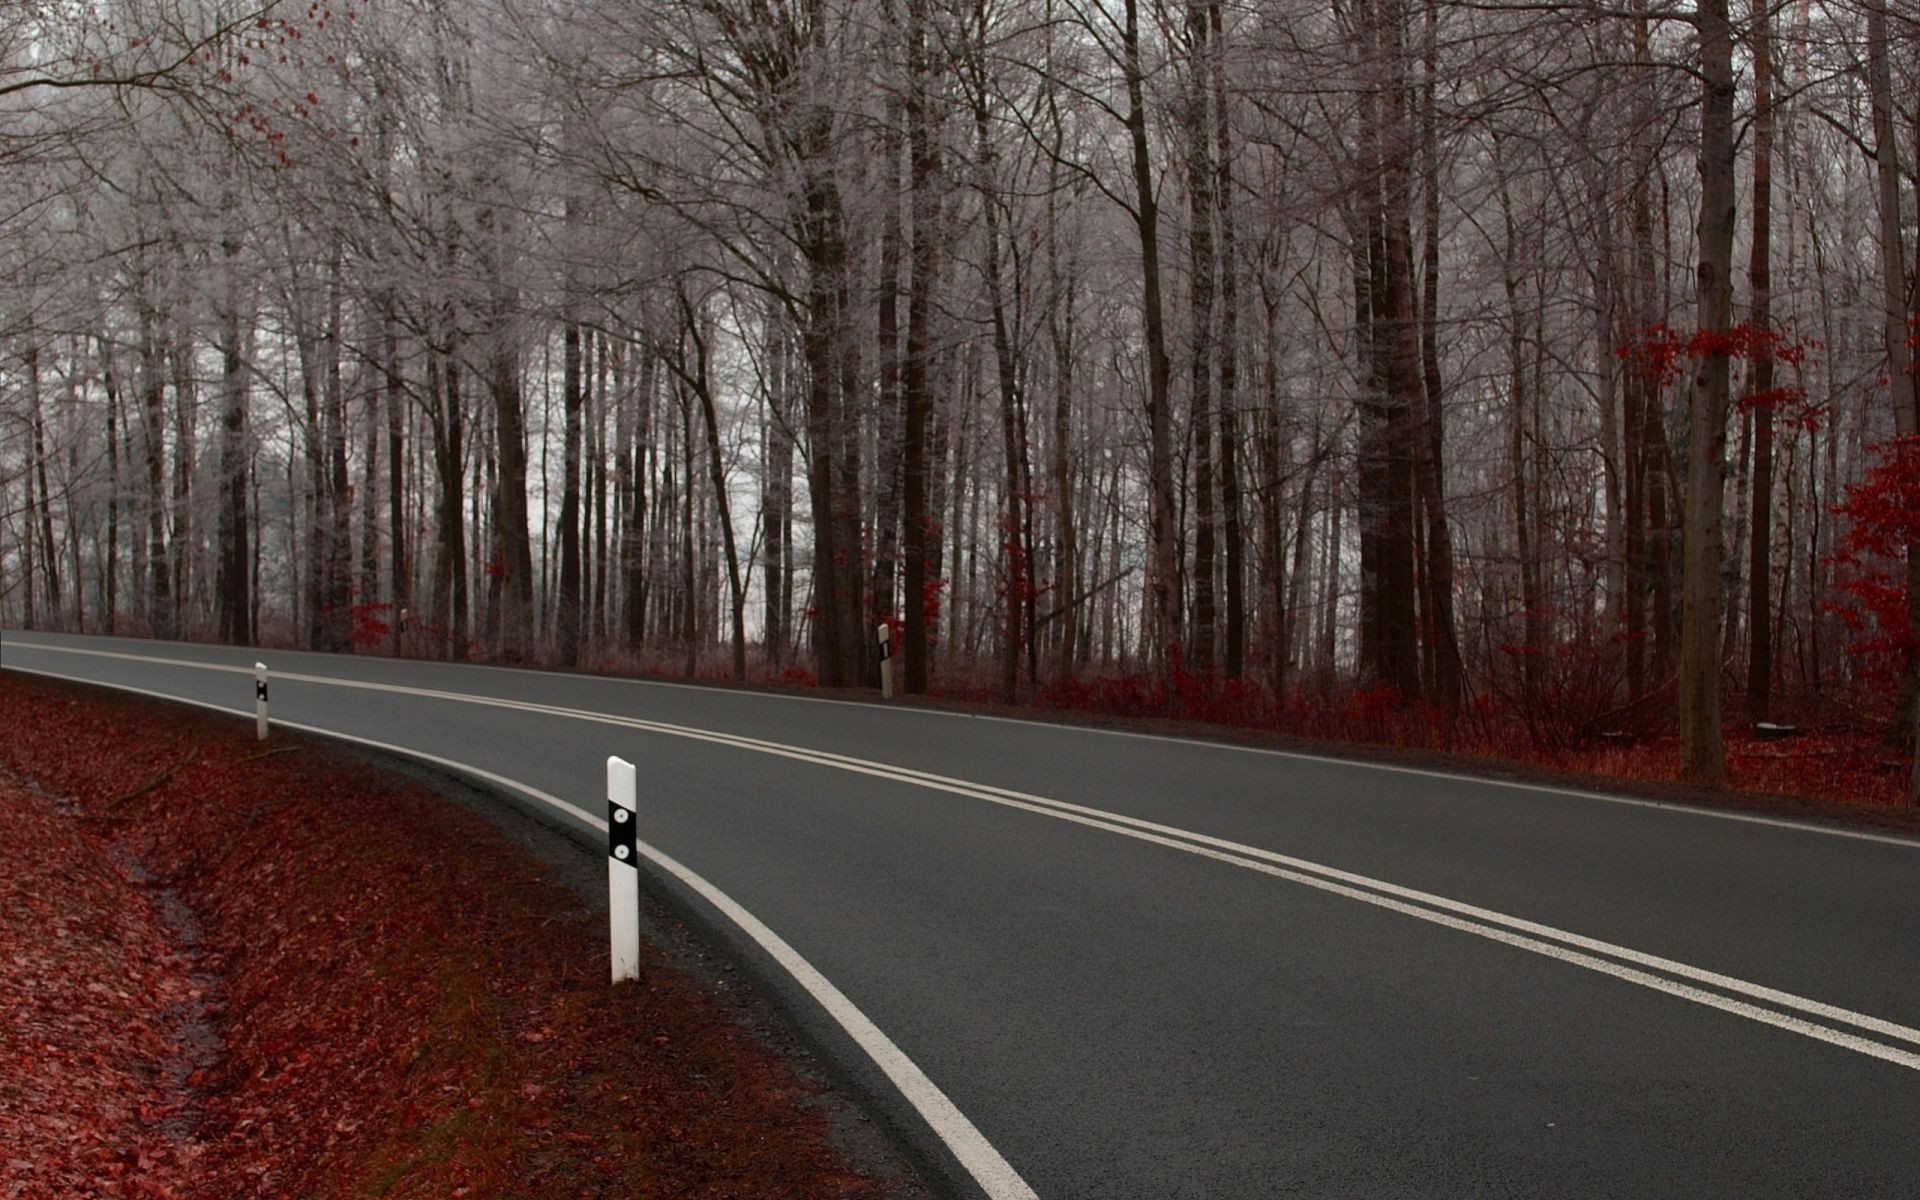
point(1226, 972)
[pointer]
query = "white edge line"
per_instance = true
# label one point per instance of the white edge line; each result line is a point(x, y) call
point(1236, 852)
point(976, 1154)
point(1480, 921)
point(755, 693)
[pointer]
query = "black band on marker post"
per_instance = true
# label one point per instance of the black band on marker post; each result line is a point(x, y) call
point(620, 834)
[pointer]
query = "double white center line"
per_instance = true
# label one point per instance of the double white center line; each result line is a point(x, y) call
point(1770, 1006)
point(1875, 1037)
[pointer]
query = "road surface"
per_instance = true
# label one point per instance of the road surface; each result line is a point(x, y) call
point(1143, 967)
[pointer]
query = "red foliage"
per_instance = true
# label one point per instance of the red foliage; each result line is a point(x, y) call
point(409, 1011)
point(370, 627)
point(1883, 519)
point(1659, 354)
point(87, 982)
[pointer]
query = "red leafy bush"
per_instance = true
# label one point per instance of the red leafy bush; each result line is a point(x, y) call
point(1883, 519)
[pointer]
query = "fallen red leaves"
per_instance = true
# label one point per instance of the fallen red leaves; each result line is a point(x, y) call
point(86, 983)
point(407, 1009)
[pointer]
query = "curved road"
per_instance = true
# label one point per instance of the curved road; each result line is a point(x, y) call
point(1145, 967)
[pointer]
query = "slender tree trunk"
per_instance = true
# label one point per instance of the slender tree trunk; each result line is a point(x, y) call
point(889, 417)
point(185, 454)
point(568, 623)
point(923, 169)
point(49, 555)
point(338, 617)
point(1760, 316)
point(1198, 133)
point(399, 565)
point(232, 600)
point(1017, 580)
point(158, 593)
point(716, 470)
point(1231, 506)
point(110, 568)
point(1164, 553)
point(1449, 671)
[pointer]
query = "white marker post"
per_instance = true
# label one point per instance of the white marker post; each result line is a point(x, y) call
point(260, 701)
point(886, 662)
point(623, 872)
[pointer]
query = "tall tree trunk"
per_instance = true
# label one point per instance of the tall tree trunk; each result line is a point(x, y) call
point(110, 568)
point(1449, 677)
point(233, 605)
point(158, 592)
point(1060, 334)
point(1702, 757)
point(1198, 133)
point(568, 624)
point(923, 169)
point(717, 475)
point(399, 565)
point(1229, 357)
point(1164, 552)
point(777, 493)
point(512, 537)
point(339, 542)
point(186, 404)
point(50, 556)
point(1013, 444)
point(1898, 309)
point(1760, 316)
point(889, 434)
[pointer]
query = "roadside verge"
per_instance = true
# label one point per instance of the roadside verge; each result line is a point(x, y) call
point(385, 997)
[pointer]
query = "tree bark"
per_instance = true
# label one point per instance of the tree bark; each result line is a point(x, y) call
point(1702, 756)
point(1760, 316)
point(923, 169)
point(1164, 553)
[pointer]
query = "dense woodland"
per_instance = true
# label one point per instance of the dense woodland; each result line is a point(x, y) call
point(1534, 361)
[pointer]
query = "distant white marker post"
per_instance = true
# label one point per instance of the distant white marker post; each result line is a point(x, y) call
point(260, 701)
point(623, 871)
point(886, 662)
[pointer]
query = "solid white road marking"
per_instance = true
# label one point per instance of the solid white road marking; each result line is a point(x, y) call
point(1545, 789)
point(1576, 949)
point(976, 1155)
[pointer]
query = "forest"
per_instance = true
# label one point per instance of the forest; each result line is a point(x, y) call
point(1540, 370)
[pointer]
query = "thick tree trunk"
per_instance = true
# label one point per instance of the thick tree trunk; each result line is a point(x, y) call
point(1702, 757)
point(1899, 309)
